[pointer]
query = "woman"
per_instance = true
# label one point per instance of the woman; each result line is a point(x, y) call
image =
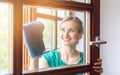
point(71, 30)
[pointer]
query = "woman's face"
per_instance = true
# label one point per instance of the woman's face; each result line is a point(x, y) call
point(69, 33)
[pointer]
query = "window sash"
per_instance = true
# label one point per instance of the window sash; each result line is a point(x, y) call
point(93, 8)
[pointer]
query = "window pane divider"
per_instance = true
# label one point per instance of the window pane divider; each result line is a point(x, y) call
point(48, 16)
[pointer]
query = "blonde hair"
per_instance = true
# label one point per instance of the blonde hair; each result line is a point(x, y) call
point(77, 20)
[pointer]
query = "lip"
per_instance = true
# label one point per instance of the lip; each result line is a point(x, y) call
point(66, 40)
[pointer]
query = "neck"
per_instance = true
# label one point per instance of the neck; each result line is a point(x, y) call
point(69, 55)
point(68, 51)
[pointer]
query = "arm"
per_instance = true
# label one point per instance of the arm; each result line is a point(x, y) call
point(34, 63)
point(43, 63)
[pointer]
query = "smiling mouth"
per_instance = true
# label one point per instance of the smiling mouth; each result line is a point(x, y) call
point(66, 40)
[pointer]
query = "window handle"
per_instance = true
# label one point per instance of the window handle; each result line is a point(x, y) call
point(97, 42)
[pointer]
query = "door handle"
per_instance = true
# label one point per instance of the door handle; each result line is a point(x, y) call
point(97, 42)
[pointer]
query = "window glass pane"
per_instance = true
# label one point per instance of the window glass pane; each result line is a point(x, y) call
point(5, 38)
point(51, 34)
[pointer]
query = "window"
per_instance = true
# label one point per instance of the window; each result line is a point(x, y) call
point(19, 20)
point(51, 19)
point(6, 38)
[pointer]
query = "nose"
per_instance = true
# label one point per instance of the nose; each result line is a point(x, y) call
point(66, 34)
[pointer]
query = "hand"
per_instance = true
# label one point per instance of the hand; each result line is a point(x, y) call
point(98, 66)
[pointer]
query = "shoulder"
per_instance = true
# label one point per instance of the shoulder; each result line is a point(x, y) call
point(51, 55)
point(81, 53)
point(81, 60)
point(43, 63)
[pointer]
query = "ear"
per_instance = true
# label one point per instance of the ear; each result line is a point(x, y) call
point(80, 35)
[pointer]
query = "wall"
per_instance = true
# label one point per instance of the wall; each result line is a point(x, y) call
point(110, 31)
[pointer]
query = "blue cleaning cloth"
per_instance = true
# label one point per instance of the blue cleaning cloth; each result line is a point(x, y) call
point(33, 38)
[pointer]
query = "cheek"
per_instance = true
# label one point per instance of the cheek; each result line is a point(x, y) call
point(76, 36)
point(61, 36)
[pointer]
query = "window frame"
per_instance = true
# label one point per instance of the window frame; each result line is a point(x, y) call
point(93, 8)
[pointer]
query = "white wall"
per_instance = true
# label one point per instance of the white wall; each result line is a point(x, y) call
point(110, 31)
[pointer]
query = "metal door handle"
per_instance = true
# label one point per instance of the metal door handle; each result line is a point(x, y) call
point(97, 42)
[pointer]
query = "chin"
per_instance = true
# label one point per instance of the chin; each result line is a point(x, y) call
point(67, 44)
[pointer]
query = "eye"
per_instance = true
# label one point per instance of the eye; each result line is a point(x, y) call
point(62, 29)
point(72, 30)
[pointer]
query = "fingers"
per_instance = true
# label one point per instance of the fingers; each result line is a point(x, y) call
point(99, 59)
point(99, 62)
point(98, 66)
point(99, 71)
